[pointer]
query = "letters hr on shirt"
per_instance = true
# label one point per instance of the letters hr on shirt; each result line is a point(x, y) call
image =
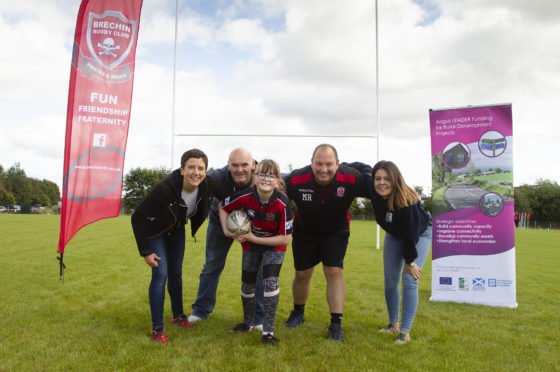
point(306, 194)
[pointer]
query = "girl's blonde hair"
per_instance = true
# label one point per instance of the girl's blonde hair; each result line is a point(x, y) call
point(402, 195)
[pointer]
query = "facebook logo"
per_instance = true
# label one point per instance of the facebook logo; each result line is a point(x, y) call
point(445, 280)
point(99, 140)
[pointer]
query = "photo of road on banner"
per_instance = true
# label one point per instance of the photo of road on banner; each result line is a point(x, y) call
point(464, 173)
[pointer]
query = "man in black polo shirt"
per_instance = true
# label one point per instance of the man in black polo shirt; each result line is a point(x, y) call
point(323, 192)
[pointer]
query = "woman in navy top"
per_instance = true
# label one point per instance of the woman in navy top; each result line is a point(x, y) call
point(408, 236)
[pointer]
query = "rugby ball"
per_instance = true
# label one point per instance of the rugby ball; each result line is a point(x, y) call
point(238, 222)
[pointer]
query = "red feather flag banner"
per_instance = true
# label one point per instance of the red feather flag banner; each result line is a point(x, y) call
point(97, 121)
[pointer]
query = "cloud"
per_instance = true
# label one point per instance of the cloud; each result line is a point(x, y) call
point(35, 39)
point(247, 35)
point(295, 67)
point(321, 73)
point(38, 144)
point(150, 130)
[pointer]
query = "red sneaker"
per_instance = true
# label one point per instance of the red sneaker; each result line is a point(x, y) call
point(159, 337)
point(182, 321)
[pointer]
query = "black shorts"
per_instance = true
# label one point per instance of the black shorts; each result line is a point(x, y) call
point(310, 250)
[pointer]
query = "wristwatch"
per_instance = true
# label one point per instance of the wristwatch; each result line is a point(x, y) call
point(412, 264)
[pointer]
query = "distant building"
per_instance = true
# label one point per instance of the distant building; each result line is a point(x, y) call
point(456, 157)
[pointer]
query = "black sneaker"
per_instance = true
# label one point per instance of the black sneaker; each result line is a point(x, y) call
point(335, 333)
point(241, 327)
point(295, 319)
point(269, 340)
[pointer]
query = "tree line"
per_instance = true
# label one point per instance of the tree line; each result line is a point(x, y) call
point(18, 189)
point(139, 181)
point(541, 200)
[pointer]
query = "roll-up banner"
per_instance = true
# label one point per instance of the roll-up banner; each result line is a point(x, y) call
point(473, 246)
point(97, 122)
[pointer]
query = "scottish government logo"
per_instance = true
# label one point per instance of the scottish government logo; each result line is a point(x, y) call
point(478, 284)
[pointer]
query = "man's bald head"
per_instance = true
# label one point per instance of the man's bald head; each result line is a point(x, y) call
point(241, 165)
point(240, 152)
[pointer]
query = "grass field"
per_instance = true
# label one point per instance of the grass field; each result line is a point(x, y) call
point(99, 319)
point(505, 176)
point(439, 206)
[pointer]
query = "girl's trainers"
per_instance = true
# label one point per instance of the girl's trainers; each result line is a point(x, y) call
point(389, 328)
point(241, 327)
point(182, 321)
point(158, 335)
point(402, 338)
point(269, 340)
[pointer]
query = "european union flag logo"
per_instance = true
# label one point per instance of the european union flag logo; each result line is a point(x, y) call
point(445, 280)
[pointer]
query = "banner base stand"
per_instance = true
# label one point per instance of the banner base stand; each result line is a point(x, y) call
point(62, 267)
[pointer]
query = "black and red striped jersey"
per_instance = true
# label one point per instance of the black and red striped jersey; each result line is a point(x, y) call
point(323, 210)
point(267, 219)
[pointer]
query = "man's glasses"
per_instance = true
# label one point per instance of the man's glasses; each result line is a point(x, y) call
point(267, 177)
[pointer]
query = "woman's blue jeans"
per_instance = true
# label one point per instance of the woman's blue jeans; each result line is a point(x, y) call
point(171, 250)
point(217, 249)
point(393, 269)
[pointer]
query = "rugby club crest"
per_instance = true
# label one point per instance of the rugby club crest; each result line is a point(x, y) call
point(340, 192)
point(110, 37)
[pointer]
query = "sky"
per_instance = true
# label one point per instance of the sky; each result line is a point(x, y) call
point(299, 68)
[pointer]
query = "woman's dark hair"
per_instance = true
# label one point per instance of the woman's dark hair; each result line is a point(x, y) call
point(402, 195)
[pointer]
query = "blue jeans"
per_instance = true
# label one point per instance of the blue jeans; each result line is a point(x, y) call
point(171, 250)
point(217, 249)
point(393, 268)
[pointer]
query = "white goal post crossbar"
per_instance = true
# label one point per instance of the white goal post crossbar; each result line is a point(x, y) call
point(378, 116)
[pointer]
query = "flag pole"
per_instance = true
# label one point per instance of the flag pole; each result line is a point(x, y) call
point(377, 97)
point(174, 83)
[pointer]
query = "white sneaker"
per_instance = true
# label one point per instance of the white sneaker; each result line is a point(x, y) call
point(193, 318)
point(259, 327)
